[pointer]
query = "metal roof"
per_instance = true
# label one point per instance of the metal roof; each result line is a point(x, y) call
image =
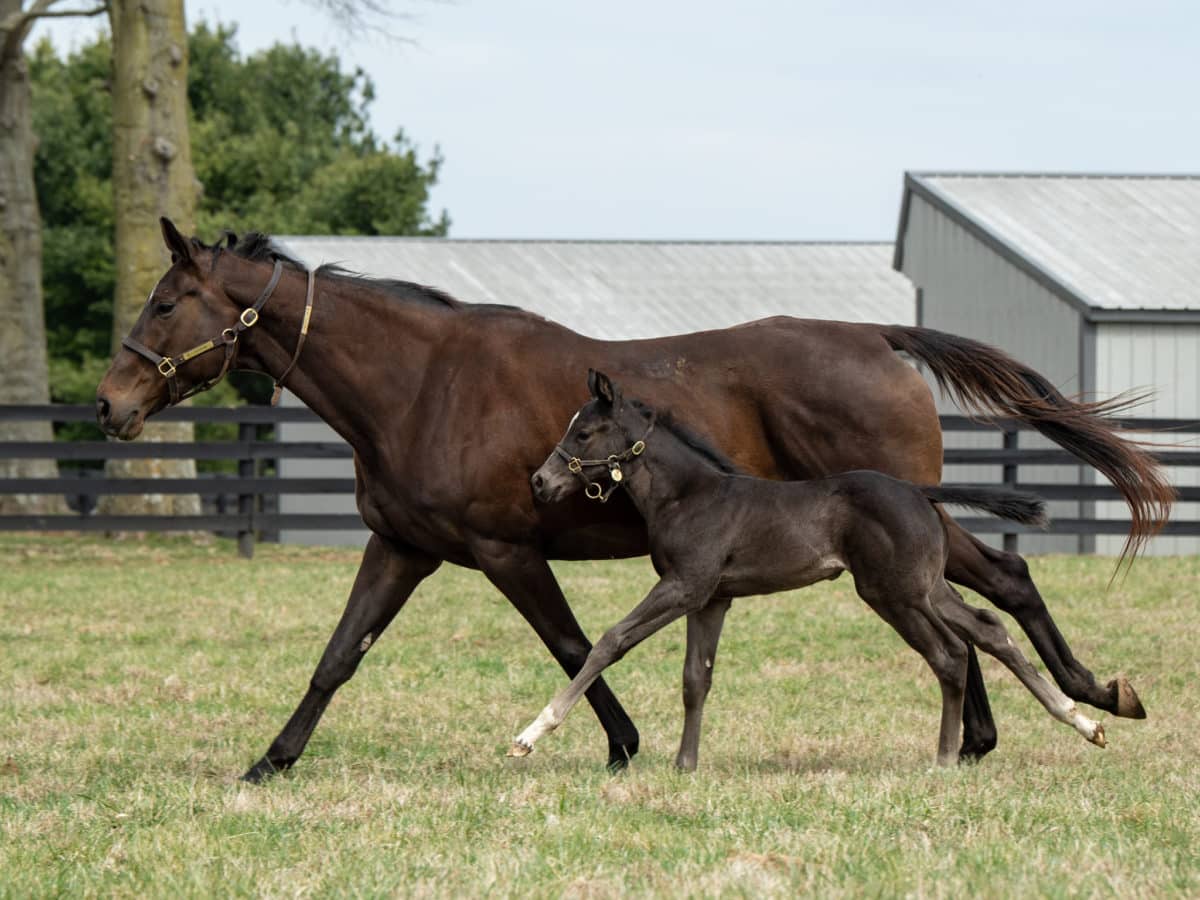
point(1102, 242)
point(636, 289)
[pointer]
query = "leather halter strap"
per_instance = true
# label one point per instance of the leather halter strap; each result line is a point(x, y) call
point(168, 366)
point(592, 489)
point(308, 305)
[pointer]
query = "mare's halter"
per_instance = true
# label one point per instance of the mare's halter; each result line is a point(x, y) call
point(592, 489)
point(227, 340)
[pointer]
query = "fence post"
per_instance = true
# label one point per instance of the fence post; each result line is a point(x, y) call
point(247, 431)
point(1010, 481)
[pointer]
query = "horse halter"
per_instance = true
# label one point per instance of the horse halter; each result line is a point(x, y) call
point(227, 340)
point(592, 489)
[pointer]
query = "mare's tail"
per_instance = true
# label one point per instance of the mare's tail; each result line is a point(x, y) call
point(1028, 509)
point(990, 380)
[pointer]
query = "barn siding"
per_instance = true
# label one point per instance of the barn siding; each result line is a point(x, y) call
point(967, 289)
point(1161, 359)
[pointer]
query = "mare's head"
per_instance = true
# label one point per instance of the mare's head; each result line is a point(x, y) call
point(186, 309)
point(604, 434)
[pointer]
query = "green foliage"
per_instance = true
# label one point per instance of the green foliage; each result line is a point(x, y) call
point(281, 142)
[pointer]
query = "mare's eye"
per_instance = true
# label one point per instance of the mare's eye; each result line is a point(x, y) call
point(165, 309)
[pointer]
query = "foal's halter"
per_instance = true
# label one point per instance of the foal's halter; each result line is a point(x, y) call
point(227, 340)
point(592, 489)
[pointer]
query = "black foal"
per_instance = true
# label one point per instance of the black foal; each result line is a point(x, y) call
point(715, 535)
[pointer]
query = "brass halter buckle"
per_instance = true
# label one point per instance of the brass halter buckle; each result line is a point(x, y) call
point(249, 316)
point(166, 367)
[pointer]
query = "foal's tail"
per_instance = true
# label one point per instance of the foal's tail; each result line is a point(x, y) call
point(990, 380)
point(1028, 509)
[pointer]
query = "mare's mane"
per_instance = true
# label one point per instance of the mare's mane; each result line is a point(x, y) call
point(692, 440)
point(259, 247)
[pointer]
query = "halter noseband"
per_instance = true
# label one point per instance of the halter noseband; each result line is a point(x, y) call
point(168, 366)
point(592, 489)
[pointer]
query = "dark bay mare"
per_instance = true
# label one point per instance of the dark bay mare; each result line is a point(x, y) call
point(450, 407)
point(716, 533)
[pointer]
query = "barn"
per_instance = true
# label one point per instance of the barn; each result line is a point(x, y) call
point(611, 290)
point(1094, 280)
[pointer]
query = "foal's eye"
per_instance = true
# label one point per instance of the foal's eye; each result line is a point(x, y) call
point(582, 436)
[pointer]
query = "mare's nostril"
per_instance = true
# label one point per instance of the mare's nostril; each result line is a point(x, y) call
point(102, 409)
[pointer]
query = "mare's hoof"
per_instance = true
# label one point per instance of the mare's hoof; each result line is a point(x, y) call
point(1128, 704)
point(620, 755)
point(261, 771)
point(1097, 737)
point(519, 749)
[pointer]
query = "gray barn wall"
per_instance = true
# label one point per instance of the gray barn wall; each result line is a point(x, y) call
point(967, 289)
point(1164, 359)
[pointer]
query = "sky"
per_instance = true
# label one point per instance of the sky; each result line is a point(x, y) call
point(749, 119)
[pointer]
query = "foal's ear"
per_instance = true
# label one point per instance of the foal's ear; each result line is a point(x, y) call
point(176, 242)
point(602, 388)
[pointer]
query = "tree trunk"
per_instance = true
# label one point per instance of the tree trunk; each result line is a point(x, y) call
point(152, 177)
point(24, 375)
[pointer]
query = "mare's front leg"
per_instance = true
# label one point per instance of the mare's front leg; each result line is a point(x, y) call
point(386, 578)
point(666, 602)
point(703, 635)
point(1003, 578)
point(522, 574)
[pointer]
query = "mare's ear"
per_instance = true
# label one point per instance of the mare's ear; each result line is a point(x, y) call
point(602, 388)
point(176, 242)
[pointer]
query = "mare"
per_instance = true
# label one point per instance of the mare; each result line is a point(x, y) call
point(450, 406)
point(716, 534)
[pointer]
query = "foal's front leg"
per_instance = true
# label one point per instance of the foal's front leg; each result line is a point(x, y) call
point(666, 602)
point(703, 635)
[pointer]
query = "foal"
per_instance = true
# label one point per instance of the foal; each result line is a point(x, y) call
point(716, 535)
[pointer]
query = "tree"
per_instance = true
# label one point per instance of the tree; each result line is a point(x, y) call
point(280, 143)
point(152, 177)
point(24, 376)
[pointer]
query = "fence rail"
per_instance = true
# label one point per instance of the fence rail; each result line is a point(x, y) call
point(249, 513)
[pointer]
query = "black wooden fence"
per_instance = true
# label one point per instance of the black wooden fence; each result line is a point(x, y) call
point(246, 504)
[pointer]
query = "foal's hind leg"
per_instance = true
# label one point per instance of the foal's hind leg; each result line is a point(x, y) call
point(703, 634)
point(1004, 579)
point(984, 629)
point(924, 631)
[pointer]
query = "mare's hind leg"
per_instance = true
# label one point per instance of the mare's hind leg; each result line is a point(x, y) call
point(666, 602)
point(387, 576)
point(944, 652)
point(984, 628)
point(703, 634)
point(1004, 579)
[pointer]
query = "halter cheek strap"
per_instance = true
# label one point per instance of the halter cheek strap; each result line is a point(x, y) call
point(593, 489)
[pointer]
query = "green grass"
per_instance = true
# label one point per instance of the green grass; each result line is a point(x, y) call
point(139, 678)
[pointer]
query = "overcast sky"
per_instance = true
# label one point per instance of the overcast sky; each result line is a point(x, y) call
point(750, 119)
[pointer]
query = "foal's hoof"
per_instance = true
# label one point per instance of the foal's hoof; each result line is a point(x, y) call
point(1128, 704)
point(518, 749)
point(1097, 737)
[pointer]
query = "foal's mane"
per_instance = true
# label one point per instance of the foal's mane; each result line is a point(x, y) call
point(692, 440)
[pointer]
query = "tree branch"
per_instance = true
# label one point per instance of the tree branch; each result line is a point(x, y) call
point(16, 27)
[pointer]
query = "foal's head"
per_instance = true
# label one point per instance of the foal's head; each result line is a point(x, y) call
point(606, 433)
point(187, 307)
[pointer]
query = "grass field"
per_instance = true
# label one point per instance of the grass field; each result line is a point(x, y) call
point(138, 678)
